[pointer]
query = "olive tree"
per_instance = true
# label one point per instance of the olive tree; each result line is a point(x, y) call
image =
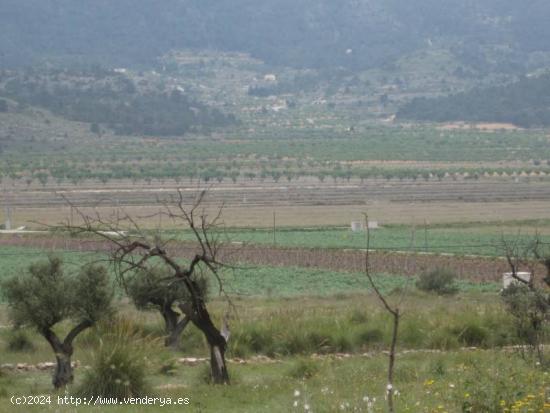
point(153, 288)
point(45, 296)
point(133, 249)
point(528, 299)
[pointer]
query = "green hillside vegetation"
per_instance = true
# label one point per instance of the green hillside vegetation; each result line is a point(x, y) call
point(524, 103)
point(305, 33)
point(111, 99)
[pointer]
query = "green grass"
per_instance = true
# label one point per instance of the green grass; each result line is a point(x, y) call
point(426, 383)
point(292, 329)
point(305, 325)
point(476, 239)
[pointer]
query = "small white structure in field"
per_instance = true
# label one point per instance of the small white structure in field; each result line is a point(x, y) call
point(372, 224)
point(357, 226)
point(508, 278)
point(270, 78)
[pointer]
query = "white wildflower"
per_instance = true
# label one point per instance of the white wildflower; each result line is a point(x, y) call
point(296, 393)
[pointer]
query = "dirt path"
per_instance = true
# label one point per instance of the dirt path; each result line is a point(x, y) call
point(259, 359)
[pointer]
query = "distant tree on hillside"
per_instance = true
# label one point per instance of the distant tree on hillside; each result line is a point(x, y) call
point(524, 103)
point(94, 128)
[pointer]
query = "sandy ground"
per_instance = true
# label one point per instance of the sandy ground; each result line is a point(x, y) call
point(383, 211)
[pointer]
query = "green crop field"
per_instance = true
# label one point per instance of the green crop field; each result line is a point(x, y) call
point(463, 239)
point(247, 281)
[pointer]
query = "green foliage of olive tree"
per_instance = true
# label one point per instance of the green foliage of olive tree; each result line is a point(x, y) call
point(154, 288)
point(528, 300)
point(45, 296)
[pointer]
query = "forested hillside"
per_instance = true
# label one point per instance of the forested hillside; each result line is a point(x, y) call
point(524, 103)
point(311, 33)
point(113, 100)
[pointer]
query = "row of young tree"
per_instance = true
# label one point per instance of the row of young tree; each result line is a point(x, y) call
point(148, 173)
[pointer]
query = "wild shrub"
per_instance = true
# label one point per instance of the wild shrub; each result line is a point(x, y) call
point(439, 281)
point(119, 365)
point(342, 343)
point(252, 339)
point(168, 367)
point(473, 335)
point(369, 336)
point(19, 341)
point(303, 369)
point(442, 339)
point(358, 317)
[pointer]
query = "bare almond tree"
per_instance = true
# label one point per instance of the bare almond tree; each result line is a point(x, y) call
point(132, 249)
point(395, 312)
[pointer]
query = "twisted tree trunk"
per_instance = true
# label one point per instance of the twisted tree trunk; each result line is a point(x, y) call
point(217, 341)
point(217, 344)
point(63, 373)
point(174, 326)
